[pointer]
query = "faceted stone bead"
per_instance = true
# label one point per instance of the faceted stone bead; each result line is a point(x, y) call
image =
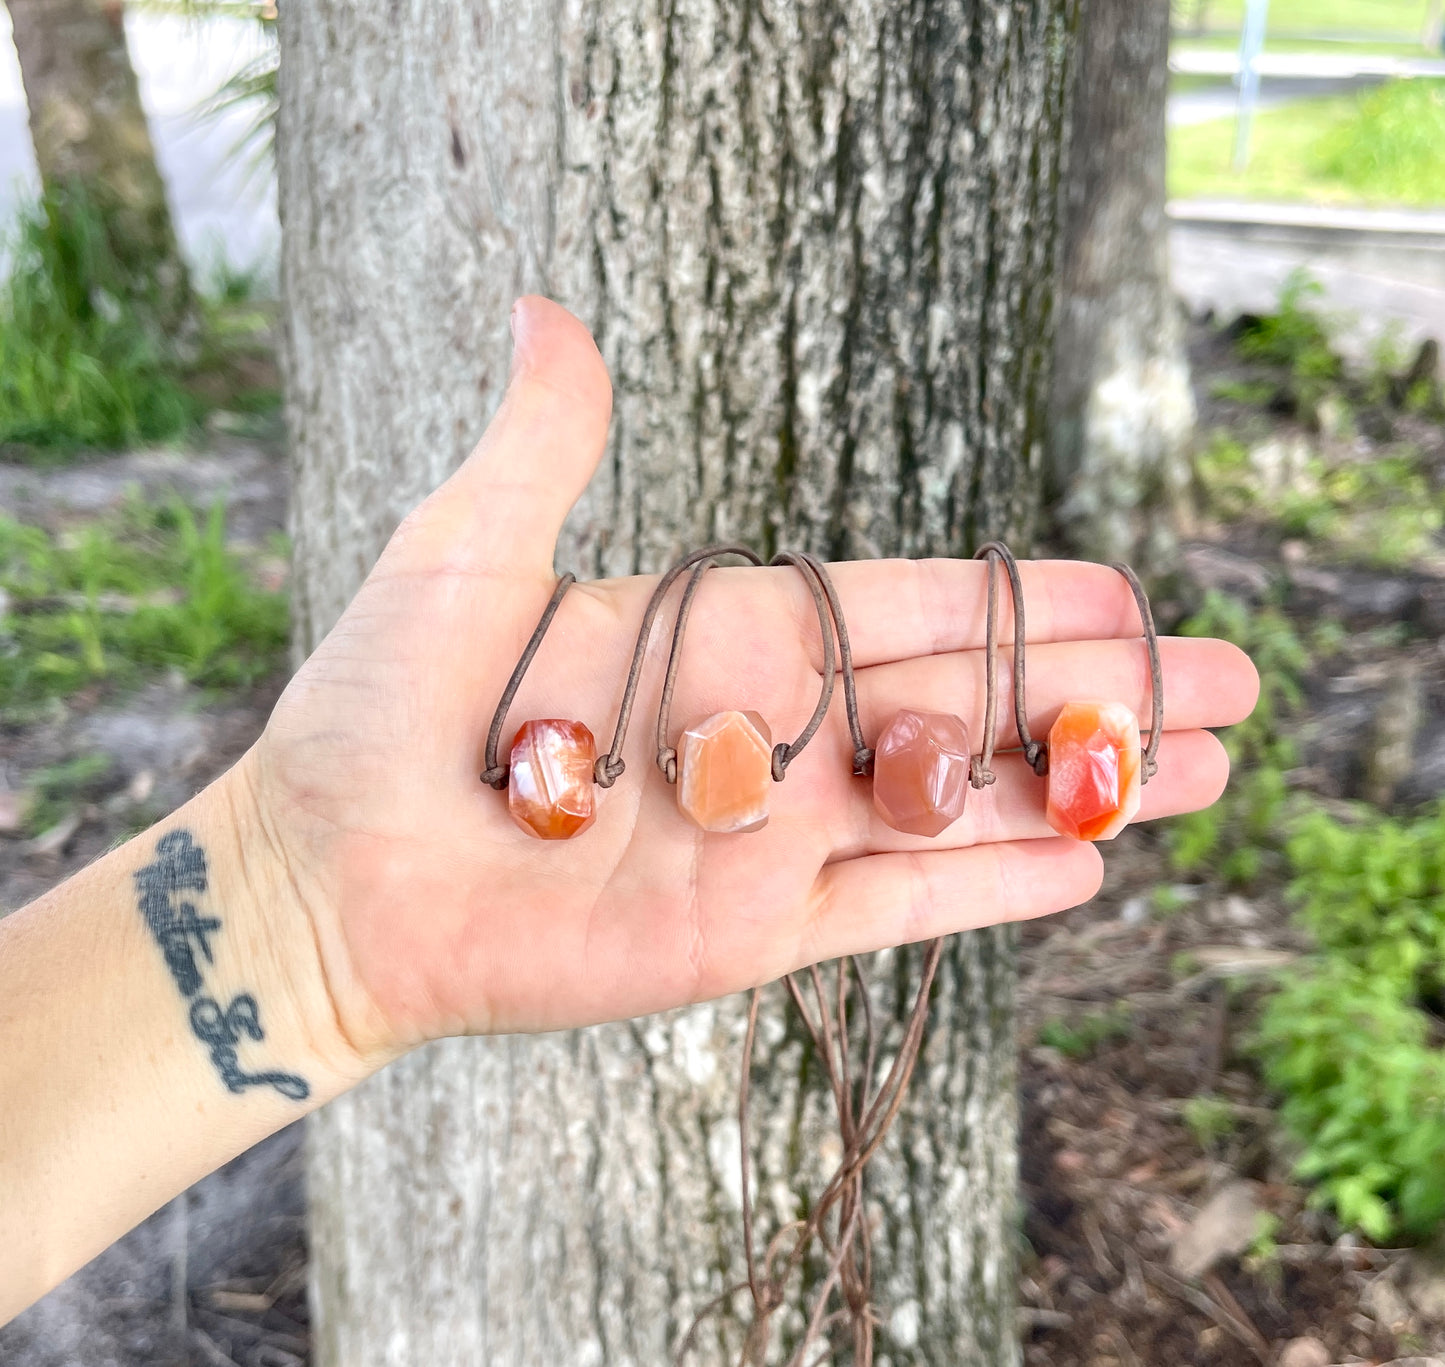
point(1094, 770)
point(920, 771)
point(724, 772)
point(549, 788)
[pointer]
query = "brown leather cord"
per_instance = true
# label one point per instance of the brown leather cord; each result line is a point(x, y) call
point(980, 770)
point(862, 753)
point(610, 767)
point(1035, 751)
point(783, 754)
point(866, 1110)
point(1150, 766)
point(495, 774)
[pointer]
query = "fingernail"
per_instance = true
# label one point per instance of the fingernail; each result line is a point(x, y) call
point(521, 324)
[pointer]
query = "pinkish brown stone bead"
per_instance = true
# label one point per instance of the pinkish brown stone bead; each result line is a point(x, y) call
point(724, 772)
point(920, 771)
point(549, 785)
point(1094, 770)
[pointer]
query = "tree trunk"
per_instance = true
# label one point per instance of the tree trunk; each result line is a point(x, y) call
point(1122, 411)
point(816, 244)
point(90, 131)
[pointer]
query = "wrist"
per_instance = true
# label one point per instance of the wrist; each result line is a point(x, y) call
point(267, 983)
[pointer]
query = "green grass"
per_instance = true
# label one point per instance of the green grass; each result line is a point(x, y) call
point(87, 356)
point(1382, 146)
point(1083, 1035)
point(137, 593)
point(55, 789)
point(1405, 17)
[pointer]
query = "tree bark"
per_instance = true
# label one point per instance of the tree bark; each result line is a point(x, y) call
point(816, 244)
point(90, 131)
point(1123, 410)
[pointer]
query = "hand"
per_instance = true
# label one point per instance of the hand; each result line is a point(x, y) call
point(435, 914)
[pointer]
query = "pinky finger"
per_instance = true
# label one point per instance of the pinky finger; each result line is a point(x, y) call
point(900, 897)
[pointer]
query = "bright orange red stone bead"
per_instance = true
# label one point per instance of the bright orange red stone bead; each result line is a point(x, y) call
point(725, 771)
point(550, 793)
point(920, 771)
point(1094, 770)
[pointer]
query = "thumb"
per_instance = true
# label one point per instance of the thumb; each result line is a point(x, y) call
point(504, 507)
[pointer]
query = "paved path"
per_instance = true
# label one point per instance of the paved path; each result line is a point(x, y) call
point(1380, 269)
point(1319, 66)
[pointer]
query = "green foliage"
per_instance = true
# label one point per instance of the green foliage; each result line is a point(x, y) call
point(1261, 1258)
point(1377, 146)
point(1210, 1119)
point(54, 789)
point(1241, 834)
point(144, 591)
point(1082, 1036)
point(1349, 1040)
point(1382, 511)
point(1168, 899)
point(1253, 393)
point(83, 356)
point(1295, 337)
point(88, 351)
point(1391, 146)
point(252, 89)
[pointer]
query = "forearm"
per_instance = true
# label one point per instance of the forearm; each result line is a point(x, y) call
point(159, 1012)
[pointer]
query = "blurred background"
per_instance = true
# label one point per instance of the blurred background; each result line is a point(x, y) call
point(1232, 1063)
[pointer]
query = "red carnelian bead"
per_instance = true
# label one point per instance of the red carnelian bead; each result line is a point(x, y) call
point(549, 787)
point(920, 771)
point(1094, 770)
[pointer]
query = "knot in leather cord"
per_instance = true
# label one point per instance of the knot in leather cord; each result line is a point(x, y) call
point(862, 762)
point(1037, 754)
point(607, 771)
point(496, 776)
point(781, 760)
point(667, 762)
point(979, 776)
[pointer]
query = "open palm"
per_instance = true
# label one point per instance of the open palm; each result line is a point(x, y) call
point(436, 914)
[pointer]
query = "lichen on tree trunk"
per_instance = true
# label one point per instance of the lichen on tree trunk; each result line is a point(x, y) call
point(816, 244)
point(1123, 409)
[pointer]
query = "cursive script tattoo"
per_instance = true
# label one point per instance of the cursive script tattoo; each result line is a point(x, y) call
point(183, 935)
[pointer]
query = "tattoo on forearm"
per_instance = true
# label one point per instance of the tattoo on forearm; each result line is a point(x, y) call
point(182, 933)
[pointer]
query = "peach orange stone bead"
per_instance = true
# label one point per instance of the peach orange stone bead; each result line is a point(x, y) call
point(549, 787)
point(1094, 764)
point(920, 771)
point(724, 771)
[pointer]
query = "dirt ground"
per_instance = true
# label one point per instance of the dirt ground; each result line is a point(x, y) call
point(1114, 1175)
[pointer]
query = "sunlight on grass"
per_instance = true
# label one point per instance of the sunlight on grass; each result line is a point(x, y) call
point(1382, 146)
point(1405, 17)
